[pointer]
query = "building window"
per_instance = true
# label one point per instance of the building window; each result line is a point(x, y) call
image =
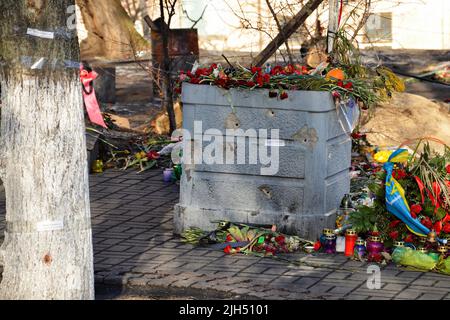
point(379, 27)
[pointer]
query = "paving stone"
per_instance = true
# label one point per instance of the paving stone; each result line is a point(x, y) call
point(443, 284)
point(278, 271)
point(394, 286)
point(409, 294)
point(320, 288)
point(374, 292)
point(306, 282)
point(432, 296)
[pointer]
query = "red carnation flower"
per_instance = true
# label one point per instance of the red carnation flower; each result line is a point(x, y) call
point(277, 70)
point(229, 238)
point(399, 174)
point(416, 209)
point(447, 168)
point(283, 96)
point(153, 155)
point(317, 245)
point(228, 249)
point(195, 80)
point(256, 70)
point(340, 83)
point(394, 223)
point(336, 94)
point(409, 238)
point(280, 239)
point(427, 222)
point(260, 80)
point(348, 85)
point(446, 228)
point(438, 227)
point(357, 135)
point(250, 84)
point(393, 235)
point(202, 72)
point(212, 67)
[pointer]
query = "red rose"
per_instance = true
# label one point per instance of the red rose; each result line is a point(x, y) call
point(416, 209)
point(250, 84)
point(229, 238)
point(195, 80)
point(266, 78)
point(394, 223)
point(283, 96)
point(393, 235)
point(273, 94)
point(427, 222)
point(177, 90)
point(317, 245)
point(409, 238)
point(340, 83)
point(447, 168)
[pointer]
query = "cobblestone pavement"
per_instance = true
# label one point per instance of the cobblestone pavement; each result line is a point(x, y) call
point(135, 248)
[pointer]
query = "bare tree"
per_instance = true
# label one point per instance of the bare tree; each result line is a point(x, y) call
point(167, 85)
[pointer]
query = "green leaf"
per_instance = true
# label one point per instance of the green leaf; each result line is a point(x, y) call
point(440, 214)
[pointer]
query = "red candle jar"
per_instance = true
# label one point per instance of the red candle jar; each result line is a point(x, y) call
point(350, 241)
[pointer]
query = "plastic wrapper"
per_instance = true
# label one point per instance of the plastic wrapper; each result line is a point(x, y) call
point(444, 266)
point(412, 258)
point(351, 114)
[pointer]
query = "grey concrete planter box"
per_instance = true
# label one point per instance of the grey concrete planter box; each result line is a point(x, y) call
point(313, 176)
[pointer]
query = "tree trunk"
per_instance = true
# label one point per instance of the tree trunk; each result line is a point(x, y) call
point(47, 250)
point(333, 17)
point(167, 86)
point(111, 32)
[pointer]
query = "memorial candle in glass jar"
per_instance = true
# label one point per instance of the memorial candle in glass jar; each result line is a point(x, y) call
point(350, 241)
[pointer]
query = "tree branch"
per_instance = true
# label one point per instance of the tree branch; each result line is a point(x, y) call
point(288, 30)
point(280, 30)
